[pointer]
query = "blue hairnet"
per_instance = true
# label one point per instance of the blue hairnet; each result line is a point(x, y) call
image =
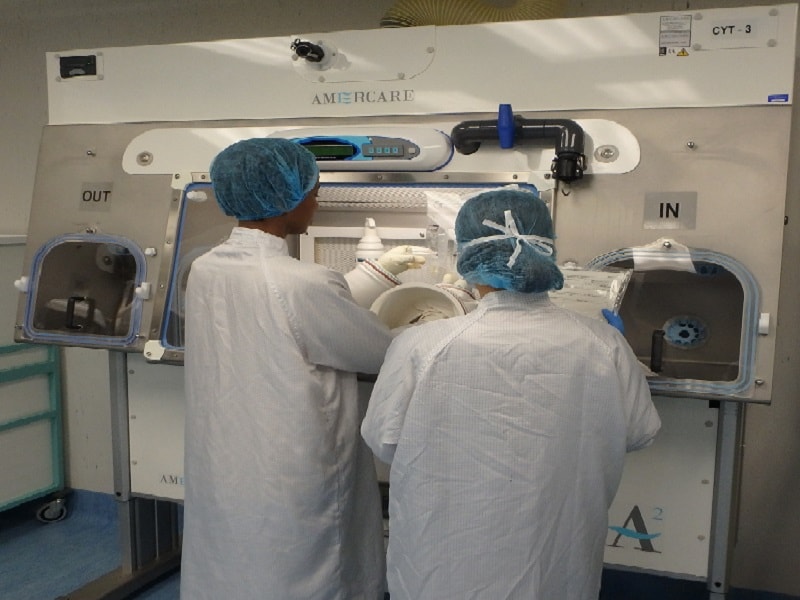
point(505, 240)
point(262, 177)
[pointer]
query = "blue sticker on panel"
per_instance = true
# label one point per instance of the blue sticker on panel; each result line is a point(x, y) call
point(778, 98)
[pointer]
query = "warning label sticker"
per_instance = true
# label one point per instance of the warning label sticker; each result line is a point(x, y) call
point(675, 31)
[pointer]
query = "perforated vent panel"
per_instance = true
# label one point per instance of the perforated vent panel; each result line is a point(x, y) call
point(439, 202)
point(339, 253)
point(389, 197)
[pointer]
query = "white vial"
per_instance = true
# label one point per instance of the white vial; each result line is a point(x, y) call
point(370, 246)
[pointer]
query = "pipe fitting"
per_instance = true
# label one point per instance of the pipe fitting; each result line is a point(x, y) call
point(568, 137)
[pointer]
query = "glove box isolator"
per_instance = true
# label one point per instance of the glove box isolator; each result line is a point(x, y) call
point(198, 226)
point(694, 326)
point(85, 290)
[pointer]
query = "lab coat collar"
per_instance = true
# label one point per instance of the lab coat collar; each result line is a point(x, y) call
point(245, 236)
point(508, 298)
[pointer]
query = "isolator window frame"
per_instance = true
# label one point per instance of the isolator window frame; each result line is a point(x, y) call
point(741, 387)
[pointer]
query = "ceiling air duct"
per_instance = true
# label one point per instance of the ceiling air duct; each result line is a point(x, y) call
point(413, 13)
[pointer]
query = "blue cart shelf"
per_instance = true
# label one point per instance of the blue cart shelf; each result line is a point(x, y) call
point(31, 444)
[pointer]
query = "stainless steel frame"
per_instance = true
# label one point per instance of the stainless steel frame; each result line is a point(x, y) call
point(149, 541)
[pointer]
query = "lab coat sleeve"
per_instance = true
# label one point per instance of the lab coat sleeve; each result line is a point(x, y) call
point(368, 280)
point(333, 331)
point(642, 418)
point(391, 396)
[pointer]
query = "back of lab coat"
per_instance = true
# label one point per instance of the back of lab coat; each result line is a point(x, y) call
point(506, 430)
point(281, 495)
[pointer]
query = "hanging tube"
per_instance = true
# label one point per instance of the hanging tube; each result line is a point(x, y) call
point(569, 162)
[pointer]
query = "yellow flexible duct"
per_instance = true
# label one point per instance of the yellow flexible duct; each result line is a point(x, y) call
point(413, 13)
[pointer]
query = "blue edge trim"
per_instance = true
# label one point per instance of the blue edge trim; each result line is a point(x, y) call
point(617, 584)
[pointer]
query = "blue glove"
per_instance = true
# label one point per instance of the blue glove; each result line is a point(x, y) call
point(614, 320)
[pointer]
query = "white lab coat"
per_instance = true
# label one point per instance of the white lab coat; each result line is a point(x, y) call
point(281, 501)
point(506, 431)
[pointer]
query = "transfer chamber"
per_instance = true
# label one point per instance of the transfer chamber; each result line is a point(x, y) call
point(691, 316)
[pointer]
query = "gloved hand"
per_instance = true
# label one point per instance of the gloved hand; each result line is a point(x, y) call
point(614, 320)
point(454, 279)
point(401, 258)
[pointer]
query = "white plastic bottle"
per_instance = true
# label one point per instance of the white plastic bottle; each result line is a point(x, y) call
point(370, 246)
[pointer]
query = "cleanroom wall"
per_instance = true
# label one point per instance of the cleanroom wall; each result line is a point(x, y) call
point(765, 555)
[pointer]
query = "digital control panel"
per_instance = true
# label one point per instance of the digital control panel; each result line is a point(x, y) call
point(367, 149)
point(360, 148)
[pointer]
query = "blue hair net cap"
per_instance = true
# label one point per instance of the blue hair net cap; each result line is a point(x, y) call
point(505, 240)
point(262, 177)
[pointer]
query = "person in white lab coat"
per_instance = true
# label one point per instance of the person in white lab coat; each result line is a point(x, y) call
point(281, 496)
point(505, 429)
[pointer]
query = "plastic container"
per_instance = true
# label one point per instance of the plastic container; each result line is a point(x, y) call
point(415, 303)
point(370, 246)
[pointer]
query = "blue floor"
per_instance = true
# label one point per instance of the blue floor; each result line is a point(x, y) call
point(41, 561)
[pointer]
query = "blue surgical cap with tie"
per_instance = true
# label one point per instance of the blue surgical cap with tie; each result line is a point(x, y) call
point(262, 177)
point(505, 241)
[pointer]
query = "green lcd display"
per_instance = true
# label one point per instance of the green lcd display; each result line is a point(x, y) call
point(330, 151)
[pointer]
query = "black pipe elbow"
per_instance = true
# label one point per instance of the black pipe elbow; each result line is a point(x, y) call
point(569, 162)
point(567, 136)
point(468, 135)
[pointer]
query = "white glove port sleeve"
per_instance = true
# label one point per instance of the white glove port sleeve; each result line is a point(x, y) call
point(368, 281)
point(401, 258)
